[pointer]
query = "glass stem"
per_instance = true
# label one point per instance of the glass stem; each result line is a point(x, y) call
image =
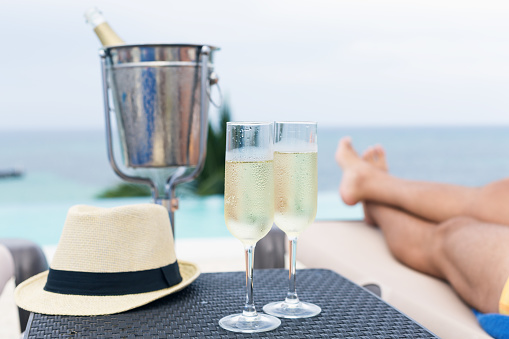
point(291, 297)
point(249, 307)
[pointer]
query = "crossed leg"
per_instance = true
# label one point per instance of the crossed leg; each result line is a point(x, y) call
point(460, 248)
point(363, 180)
point(471, 255)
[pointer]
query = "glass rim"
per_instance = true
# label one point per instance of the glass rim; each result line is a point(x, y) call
point(254, 123)
point(297, 122)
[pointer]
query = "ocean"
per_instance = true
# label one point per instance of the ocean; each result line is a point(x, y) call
point(66, 168)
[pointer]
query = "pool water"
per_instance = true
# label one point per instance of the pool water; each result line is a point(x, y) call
point(196, 218)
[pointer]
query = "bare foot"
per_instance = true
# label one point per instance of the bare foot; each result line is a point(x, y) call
point(355, 170)
point(375, 155)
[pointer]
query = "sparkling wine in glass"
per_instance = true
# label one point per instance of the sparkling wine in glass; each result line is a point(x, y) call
point(295, 181)
point(249, 208)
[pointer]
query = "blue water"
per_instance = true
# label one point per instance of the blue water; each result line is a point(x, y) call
point(67, 168)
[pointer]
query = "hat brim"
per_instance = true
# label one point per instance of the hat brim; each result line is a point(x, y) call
point(31, 296)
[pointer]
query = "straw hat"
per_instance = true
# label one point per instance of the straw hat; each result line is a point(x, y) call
point(108, 260)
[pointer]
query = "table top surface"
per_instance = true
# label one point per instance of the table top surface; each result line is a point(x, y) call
point(348, 310)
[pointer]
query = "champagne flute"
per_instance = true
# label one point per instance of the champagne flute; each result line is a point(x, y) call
point(249, 208)
point(295, 173)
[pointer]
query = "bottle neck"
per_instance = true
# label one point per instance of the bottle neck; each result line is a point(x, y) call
point(107, 35)
point(102, 29)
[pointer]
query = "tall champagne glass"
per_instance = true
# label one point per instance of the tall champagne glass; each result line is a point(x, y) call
point(249, 208)
point(295, 173)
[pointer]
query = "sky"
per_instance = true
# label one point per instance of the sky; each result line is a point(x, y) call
point(341, 63)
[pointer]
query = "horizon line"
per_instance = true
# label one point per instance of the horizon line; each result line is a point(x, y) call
point(327, 126)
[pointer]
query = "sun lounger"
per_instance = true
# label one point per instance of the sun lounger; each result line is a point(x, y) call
point(28, 260)
point(6, 266)
point(270, 250)
point(8, 317)
point(358, 252)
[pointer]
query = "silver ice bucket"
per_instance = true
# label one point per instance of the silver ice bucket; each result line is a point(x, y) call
point(156, 91)
point(160, 98)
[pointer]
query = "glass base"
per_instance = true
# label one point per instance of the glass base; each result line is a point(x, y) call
point(240, 323)
point(283, 309)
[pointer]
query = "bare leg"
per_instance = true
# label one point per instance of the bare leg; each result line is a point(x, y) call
point(431, 201)
point(375, 156)
point(471, 255)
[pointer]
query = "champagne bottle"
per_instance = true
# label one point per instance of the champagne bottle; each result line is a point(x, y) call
point(103, 30)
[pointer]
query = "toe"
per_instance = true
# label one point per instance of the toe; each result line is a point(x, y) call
point(345, 151)
point(345, 142)
point(369, 154)
point(366, 154)
point(380, 154)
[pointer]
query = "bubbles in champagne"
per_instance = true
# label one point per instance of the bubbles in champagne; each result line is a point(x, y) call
point(295, 190)
point(249, 199)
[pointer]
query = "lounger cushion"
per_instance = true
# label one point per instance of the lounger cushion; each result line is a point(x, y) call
point(358, 252)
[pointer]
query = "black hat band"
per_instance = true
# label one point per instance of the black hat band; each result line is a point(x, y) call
point(109, 284)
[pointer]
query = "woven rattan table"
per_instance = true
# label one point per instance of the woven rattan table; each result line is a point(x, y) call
point(348, 310)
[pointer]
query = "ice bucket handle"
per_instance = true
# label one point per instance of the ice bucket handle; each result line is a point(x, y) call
point(214, 80)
